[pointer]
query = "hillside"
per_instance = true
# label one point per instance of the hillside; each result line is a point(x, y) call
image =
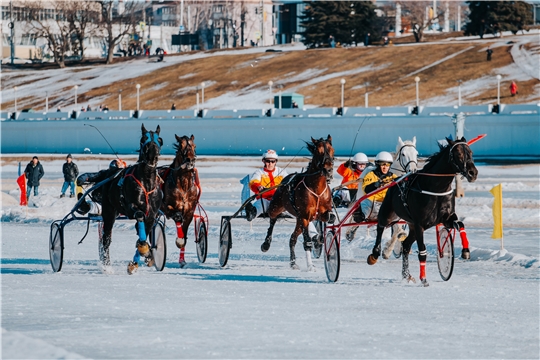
point(239, 78)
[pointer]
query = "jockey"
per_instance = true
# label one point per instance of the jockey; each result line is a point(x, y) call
point(351, 171)
point(369, 208)
point(270, 175)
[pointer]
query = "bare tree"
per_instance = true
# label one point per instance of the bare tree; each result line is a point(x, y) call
point(83, 18)
point(47, 19)
point(421, 15)
point(116, 24)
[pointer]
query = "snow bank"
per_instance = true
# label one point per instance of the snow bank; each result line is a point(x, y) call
point(18, 346)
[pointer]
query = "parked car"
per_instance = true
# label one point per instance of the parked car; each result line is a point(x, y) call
point(16, 61)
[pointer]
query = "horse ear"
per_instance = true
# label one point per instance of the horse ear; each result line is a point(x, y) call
point(463, 139)
point(450, 142)
point(400, 142)
point(313, 140)
point(329, 139)
point(192, 137)
point(414, 140)
point(178, 138)
point(158, 129)
point(143, 129)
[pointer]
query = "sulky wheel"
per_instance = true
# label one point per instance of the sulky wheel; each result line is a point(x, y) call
point(331, 256)
point(202, 242)
point(159, 246)
point(445, 256)
point(224, 241)
point(56, 246)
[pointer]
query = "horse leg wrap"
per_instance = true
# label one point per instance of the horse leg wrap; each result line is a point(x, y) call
point(422, 270)
point(422, 256)
point(142, 230)
point(180, 237)
point(181, 258)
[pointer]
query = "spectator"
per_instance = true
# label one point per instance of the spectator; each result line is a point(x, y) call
point(88, 108)
point(71, 171)
point(489, 52)
point(100, 108)
point(332, 42)
point(105, 108)
point(83, 109)
point(294, 105)
point(34, 172)
point(513, 88)
point(366, 39)
point(58, 110)
point(386, 40)
point(173, 107)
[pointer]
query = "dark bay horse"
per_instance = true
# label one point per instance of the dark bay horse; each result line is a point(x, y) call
point(306, 196)
point(425, 199)
point(180, 190)
point(135, 193)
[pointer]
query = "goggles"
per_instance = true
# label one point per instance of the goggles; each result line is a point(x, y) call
point(270, 161)
point(384, 163)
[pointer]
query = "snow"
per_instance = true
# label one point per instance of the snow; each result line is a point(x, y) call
point(256, 307)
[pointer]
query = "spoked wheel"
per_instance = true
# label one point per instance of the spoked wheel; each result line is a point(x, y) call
point(224, 241)
point(202, 243)
point(56, 246)
point(318, 246)
point(159, 246)
point(445, 259)
point(331, 257)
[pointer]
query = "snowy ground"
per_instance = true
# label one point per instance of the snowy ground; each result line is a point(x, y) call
point(256, 307)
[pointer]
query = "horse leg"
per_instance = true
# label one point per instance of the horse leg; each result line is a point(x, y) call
point(181, 257)
point(422, 255)
point(406, 248)
point(268, 240)
point(180, 234)
point(292, 242)
point(376, 252)
point(142, 246)
point(308, 244)
point(460, 227)
point(397, 234)
point(105, 238)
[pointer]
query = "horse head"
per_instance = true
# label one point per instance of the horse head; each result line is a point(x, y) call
point(185, 152)
point(150, 147)
point(460, 156)
point(323, 155)
point(407, 155)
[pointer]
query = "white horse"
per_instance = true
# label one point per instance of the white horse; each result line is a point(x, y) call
point(405, 161)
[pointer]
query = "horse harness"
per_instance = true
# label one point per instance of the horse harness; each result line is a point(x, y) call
point(399, 157)
point(129, 173)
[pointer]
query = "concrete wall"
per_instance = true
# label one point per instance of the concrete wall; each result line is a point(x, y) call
point(513, 132)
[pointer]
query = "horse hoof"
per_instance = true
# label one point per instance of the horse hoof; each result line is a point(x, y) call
point(312, 268)
point(371, 260)
point(294, 266)
point(182, 264)
point(180, 242)
point(409, 279)
point(265, 246)
point(385, 256)
point(132, 267)
point(424, 282)
point(465, 254)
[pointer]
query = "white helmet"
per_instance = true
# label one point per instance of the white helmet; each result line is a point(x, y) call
point(360, 158)
point(384, 156)
point(270, 154)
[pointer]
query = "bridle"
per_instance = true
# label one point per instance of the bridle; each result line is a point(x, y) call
point(187, 163)
point(400, 157)
point(329, 174)
point(150, 138)
point(468, 159)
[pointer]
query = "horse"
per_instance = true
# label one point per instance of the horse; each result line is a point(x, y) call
point(180, 190)
point(405, 161)
point(425, 199)
point(135, 193)
point(306, 196)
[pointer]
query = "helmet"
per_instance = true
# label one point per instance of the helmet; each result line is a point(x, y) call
point(360, 158)
point(270, 154)
point(384, 156)
point(117, 164)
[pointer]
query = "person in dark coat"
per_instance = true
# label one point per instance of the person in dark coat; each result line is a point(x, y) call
point(489, 53)
point(34, 172)
point(71, 171)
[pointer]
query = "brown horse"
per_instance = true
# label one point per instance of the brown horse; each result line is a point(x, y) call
point(181, 190)
point(305, 196)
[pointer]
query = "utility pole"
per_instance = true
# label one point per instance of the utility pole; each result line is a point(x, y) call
point(262, 22)
point(12, 33)
point(242, 23)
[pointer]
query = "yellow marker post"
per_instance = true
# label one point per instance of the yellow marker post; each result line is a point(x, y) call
point(497, 214)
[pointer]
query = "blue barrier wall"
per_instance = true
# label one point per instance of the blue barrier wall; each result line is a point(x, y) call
point(220, 132)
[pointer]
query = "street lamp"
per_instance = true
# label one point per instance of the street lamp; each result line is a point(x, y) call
point(366, 84)
point(342, 81)
point(417, 80)
point(46, 101)
point(459, 92)
point(138, 86)
point(499, 77)
point(76, 87)
point(15, 90)
point(202, 90)
point(120, 100)
point(270, 83)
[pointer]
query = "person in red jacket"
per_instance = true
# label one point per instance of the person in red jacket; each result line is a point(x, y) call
point(513, 88)
point(351, 171)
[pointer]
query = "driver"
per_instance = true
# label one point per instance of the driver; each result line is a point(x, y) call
point(351, 171)
point(268, 176)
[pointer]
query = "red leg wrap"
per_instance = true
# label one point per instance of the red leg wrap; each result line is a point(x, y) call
point(182, 252)
point(422, 270)
point(179, 231)
point(464, 240)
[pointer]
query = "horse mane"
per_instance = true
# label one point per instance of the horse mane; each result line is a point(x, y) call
point(432, 160)
point(177, 145)
point(311, 146)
